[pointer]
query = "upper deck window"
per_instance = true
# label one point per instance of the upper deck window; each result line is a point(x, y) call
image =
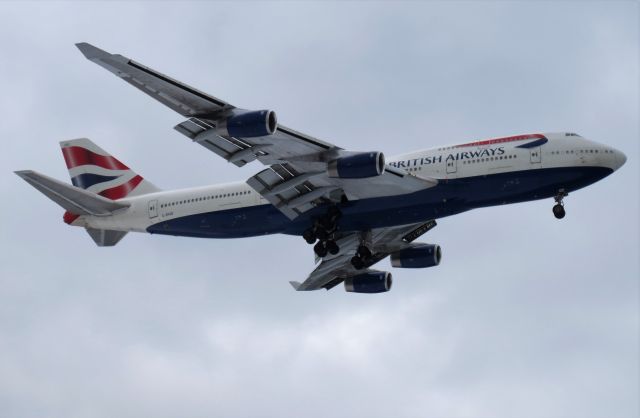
point(571, 134)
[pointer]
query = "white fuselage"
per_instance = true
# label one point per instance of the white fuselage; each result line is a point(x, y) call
point(446, 164)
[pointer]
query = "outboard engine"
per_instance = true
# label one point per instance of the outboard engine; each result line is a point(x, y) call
point(417, 256)
point(357, 166)
point(248, 123)
point(376, 282)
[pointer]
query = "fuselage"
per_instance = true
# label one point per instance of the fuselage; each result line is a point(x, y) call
point(470, 175)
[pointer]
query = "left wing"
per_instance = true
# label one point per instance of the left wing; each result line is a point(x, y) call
point(297, 176)
point(382, 242)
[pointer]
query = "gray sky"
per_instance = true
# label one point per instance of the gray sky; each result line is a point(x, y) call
point(526, 316)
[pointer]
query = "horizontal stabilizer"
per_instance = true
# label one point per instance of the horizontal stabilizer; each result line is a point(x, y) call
point(71, 198)
point(296, 285)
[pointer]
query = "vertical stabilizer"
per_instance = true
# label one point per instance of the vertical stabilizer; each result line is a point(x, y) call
point(95, 170)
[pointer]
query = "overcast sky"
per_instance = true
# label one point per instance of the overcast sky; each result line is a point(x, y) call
point(527, 316)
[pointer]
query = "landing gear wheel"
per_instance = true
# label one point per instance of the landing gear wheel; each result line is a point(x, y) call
point(332, 247)
point(309, 235)
point(558, 211)
point(320, 249)
point(357, 263)
point(364, 252)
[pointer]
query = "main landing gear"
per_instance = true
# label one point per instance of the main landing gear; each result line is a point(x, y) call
point(323, 231)
point(361, 258)
point(558, 208)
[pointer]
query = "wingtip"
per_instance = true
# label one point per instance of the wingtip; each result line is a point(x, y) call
point(295, 285)
point(23, 173)
point(90, 51)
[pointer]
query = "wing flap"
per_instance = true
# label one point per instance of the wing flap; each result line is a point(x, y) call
point(234, 150)
point(291, 191)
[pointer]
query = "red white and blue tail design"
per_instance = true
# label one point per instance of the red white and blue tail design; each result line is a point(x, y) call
point(93, 169)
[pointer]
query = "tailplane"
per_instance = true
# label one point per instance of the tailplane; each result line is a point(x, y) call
point(99, 181)
point(77, 202)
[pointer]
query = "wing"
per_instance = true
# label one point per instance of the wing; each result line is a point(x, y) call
point(176, 95)
point(382, 242)
point(296, 178)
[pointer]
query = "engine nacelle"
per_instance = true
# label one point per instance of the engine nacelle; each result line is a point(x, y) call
point(248, 124)
point(369, 283)
point(358, 166)
point(417, 256)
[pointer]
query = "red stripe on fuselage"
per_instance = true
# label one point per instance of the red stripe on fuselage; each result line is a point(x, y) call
point(121, 191)
point(502, 140)
point(77, 156)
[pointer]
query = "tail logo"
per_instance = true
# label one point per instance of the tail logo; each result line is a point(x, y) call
point(102, 174)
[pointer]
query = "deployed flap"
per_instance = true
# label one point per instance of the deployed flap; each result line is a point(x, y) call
point(71, 198)
point(233, 150)
point(106, 237)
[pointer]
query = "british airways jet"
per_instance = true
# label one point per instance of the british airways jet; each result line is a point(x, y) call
point(355, 208)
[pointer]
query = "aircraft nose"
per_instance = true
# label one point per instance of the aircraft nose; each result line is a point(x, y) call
point(620, 159)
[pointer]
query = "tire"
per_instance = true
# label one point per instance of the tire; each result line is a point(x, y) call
point(364, 251)
point(309, 236)
point(320, 249)
point(558, 211)
point(357, 263)
point(332, 247)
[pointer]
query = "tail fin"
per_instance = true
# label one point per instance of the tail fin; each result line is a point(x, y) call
point(93, 169)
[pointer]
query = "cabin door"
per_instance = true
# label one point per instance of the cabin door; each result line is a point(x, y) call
point(452, 165)
point(536, 155)
point(153, 209)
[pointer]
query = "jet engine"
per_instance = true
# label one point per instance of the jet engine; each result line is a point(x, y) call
point(417, 256)
point(248, 124)
point(377, 282)
point(357, 166)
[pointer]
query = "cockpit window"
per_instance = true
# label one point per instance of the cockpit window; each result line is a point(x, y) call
point(571, 134)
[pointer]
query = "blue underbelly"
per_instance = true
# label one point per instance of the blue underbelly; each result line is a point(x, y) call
point(447, 198)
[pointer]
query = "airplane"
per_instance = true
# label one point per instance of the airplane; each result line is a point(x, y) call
point(355, 208)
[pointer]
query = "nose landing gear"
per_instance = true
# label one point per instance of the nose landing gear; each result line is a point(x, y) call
point(558, 208)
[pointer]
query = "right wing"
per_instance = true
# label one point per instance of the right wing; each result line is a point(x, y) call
point(333, 270)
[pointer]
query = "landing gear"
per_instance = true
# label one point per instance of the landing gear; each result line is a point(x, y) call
point(558, 208)
point(362, 256)
point(310, 236)
point(332, 247)
point(323, 231)
point(320, 249)
point(558, 211)
point(357, 263)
